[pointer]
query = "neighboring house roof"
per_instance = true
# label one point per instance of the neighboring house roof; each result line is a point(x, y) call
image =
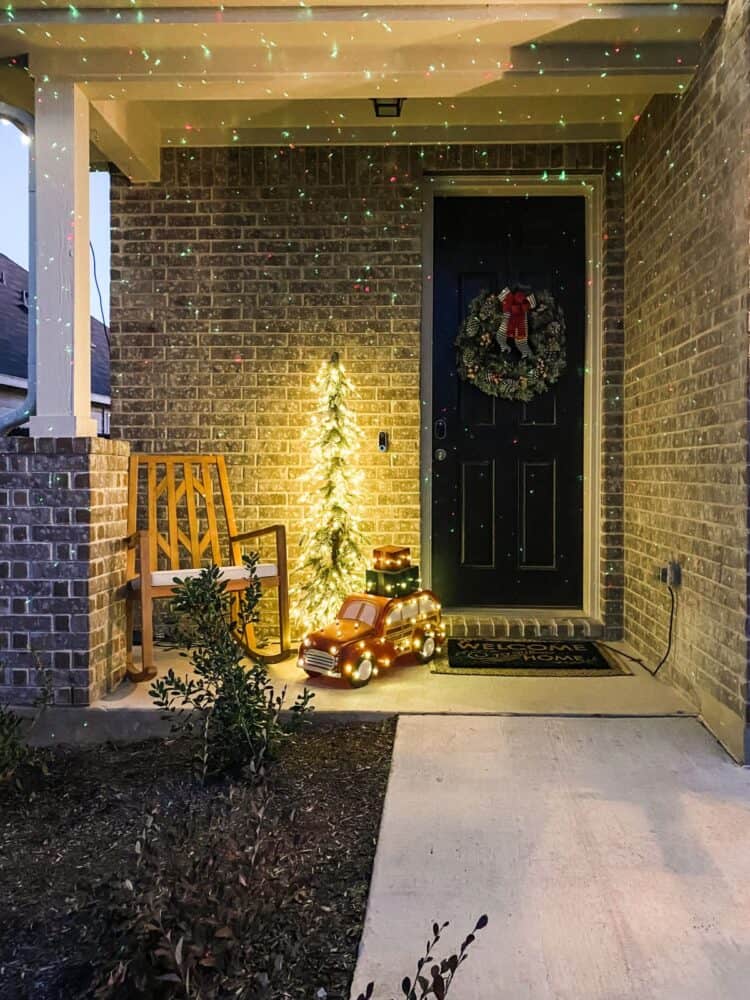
point(14, 318)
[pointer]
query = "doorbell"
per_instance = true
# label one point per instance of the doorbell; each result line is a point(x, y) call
point(383, 441)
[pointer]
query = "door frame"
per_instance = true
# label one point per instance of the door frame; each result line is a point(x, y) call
point(590, 186)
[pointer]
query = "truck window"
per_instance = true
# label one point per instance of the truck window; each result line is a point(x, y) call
point(426, 605)
point(409, 610)
point(362, 611)
point(393, 618)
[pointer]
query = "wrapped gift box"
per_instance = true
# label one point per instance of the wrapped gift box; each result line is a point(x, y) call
point(392, 583)
point(391, 557)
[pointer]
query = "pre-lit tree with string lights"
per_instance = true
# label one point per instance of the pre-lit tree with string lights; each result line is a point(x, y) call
point(332, 562)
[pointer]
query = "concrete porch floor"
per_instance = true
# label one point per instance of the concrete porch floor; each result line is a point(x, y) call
point(612, 857)
point(411, 688)
point(129, 713)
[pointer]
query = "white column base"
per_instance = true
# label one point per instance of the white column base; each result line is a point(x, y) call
point(62, 426)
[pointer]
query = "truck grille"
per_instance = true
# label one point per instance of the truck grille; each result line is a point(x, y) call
point(316, 659)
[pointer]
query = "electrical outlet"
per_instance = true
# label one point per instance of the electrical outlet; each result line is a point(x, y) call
point(671, 574)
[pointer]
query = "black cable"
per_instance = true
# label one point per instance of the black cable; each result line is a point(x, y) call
point(637, 659)
point(99, 293)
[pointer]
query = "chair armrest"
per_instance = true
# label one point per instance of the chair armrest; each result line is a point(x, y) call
point(245, 536)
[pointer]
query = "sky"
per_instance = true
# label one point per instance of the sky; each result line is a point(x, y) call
point(14, 218)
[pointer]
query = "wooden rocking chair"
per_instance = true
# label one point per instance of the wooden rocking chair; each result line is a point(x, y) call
point(179, 494)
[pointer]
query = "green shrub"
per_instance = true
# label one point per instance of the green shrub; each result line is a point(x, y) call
point(231, 705)
point(13, 748)
point(15, 751)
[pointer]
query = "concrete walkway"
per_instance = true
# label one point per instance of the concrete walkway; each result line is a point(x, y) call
point(611, 855)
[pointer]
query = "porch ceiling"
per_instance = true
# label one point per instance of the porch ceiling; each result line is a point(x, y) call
point(280, 73)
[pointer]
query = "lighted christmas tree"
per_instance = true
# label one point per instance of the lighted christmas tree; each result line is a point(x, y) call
point(331, 563)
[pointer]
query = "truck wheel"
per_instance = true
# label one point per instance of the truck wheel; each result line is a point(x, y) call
point(362, 672)
point(427, 649)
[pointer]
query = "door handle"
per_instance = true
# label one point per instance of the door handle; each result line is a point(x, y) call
point(441, 429)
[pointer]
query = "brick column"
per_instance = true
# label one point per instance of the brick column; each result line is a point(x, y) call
point(62, 567)
point(612, 567)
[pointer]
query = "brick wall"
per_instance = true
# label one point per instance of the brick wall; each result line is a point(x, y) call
point(245, 267)
point(613, 338)
point(686, 384)
point(62, 567)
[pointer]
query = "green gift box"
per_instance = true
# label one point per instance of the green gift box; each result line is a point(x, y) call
point(392, 583)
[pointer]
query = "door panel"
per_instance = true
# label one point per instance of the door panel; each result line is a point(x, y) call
point(478, 514)
point(508, 495)
point(537, 507)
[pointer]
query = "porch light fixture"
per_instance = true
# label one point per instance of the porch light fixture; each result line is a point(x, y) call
point(388, 107)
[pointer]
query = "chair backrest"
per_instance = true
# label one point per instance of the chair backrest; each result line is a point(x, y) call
point(177, 499)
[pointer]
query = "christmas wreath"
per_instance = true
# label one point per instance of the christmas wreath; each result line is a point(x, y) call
point(512, 343)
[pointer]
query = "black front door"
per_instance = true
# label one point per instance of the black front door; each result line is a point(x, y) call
point(507, 477)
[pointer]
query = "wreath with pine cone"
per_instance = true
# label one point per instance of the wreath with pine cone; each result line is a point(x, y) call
point(512, 343)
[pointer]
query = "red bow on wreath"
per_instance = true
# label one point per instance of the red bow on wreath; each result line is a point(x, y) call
point(514, 324)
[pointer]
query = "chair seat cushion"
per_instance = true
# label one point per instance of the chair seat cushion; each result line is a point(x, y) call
point(165, 577)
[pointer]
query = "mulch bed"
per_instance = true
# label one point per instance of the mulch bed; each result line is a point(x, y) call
point(64, 835)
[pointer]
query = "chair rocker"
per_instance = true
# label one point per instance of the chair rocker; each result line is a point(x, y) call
point(184, 497)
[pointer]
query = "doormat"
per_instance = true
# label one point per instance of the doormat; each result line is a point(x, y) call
point(530, 658)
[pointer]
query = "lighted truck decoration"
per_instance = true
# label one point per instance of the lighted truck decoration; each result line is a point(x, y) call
point(372, 632)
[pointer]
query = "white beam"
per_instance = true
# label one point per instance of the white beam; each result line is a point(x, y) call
point(61, 261)
point(190, 117)
point(612, 131)
point(358, 14)
point(597, 58)
point(129, 137)
point(255, 91)
point(406, 64)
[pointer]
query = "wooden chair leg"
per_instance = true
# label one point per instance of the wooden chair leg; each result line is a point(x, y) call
point(147, 640)
point(249, 641)
point(129, 617)
point(283, 612)
point(148, 670)
point(270, 657)
point(283, 591)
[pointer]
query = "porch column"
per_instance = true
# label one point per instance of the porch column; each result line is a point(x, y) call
point(60, 248)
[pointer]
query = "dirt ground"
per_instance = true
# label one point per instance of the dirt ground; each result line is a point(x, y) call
point(67, 833)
